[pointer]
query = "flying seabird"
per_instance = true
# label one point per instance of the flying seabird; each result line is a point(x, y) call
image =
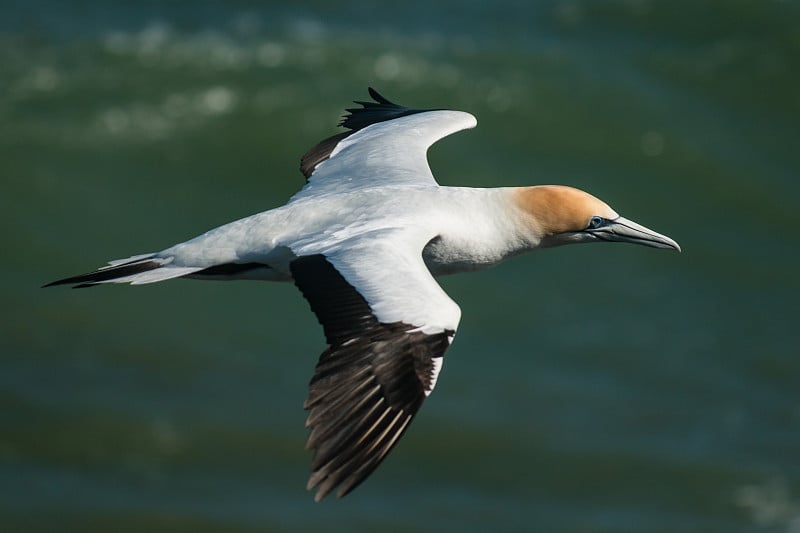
point(363, 240)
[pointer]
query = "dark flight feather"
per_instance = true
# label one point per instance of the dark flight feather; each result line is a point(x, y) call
point(367, 385)
point(357, 118)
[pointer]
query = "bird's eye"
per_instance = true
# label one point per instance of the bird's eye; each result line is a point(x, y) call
point(596, 222)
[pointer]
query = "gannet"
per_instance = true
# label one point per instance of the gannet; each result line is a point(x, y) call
point(364, 240)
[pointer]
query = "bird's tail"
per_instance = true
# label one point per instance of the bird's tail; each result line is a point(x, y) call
point(136, 270)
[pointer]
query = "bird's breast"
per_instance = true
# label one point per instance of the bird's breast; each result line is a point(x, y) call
point(445, 255)
point(477, 229)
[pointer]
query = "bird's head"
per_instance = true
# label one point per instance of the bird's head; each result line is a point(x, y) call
point(561, 215)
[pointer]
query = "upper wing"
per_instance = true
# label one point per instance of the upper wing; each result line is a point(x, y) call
point(388, 324)
point(388, 144)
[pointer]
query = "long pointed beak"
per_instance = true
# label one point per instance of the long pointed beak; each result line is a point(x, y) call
point(624, 230)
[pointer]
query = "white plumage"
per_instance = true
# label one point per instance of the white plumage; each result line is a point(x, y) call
point(363, 241)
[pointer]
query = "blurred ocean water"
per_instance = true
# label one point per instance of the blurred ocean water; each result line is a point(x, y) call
point(609, 388)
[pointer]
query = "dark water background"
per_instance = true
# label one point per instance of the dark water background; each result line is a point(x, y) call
point(594, 388)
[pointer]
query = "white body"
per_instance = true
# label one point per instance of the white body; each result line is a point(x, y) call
point(471, 228)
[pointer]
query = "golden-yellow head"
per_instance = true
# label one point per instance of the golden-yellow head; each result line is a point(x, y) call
point(560, 215)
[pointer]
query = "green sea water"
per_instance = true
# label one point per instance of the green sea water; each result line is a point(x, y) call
point(589, 388)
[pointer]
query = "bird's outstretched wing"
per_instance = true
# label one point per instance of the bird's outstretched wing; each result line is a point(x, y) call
point(387, 145)
point(388, 325)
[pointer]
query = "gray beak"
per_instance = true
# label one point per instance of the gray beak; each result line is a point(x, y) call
point(624, 230)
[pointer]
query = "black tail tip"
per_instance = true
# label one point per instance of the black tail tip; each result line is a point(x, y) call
point(68, 281)
point(109, 273)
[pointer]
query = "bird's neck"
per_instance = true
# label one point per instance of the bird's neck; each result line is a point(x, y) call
point(483, 227)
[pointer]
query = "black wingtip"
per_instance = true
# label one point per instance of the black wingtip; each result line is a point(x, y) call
point(378, 97)
point(380, 109)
